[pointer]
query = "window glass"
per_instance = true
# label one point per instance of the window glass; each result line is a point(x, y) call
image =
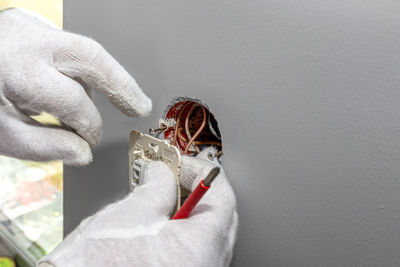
point(31, 205)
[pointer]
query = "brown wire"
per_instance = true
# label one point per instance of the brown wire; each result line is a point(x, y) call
point(178, 130)
point(180, 134)
point(187, 121)
point(187, 125)
point(178, 119)
point(203, 124)
point(207, 143)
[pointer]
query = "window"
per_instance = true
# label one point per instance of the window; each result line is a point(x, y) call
point(31, 206)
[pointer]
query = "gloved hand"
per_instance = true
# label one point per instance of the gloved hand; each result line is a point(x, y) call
point(45, 69)
point(136, 231)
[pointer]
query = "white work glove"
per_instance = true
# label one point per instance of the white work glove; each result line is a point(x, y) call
point(46, 69)
point(136, 231)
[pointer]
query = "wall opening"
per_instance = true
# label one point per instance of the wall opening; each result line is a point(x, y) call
point(190, 125)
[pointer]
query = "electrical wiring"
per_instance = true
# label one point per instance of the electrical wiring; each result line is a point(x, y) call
point(178, 119)
point(190, 126)
point(203, 124)
point(215, 143)
point(187, 126)
point(180, 129)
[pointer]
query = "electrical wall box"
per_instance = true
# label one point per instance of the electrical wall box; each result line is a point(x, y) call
point(143, 149)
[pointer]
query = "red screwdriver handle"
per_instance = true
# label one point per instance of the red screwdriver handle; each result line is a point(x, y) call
point(191, 201)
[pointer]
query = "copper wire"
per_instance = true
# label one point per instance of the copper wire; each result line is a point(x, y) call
point(208, 143)
point(192, 139)
point(187, 125)
point(203, 124)
point(180, 135)
point(178, 119)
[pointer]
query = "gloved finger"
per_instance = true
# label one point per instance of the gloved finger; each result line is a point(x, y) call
point(213, 223)
point(213, 235)
point(220, 198)
point(154, 198)
point(80, 57)
point(218, 205)
point(26, 139)
point(48, 90)
point(197, 168)
point(159, 190)
point(143, 212)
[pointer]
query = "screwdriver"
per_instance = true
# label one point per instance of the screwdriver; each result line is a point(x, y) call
point(196, 195)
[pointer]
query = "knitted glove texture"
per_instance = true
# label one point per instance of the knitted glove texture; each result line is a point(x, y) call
point(46, 69)
point(136, 231)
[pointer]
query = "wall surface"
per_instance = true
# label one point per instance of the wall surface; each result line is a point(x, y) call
point(307, 96)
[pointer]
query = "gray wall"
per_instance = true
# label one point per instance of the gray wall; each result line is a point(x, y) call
point(308, 100)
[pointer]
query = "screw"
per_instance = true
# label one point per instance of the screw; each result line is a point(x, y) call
point(161, 129)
